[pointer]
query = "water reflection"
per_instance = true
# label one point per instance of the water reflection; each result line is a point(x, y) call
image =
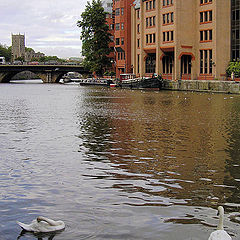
point(117, 164)
point(168, 145)
point(39, 236)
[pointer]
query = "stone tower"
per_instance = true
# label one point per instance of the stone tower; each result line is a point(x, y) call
point(18, 46)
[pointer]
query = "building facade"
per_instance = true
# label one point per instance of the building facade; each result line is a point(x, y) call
point(110, 19)
point(31, 55)
point(19, 49)
point(119, 21)
point(235, 39)
point(122, 35)
point(181, 39)
point(18, 46)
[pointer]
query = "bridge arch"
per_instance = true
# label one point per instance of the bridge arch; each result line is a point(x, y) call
point(48, 73)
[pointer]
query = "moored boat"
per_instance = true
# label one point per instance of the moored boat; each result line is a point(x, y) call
point(95, 82)
point(147, 83)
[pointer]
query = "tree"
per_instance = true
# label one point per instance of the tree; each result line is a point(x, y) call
point(5, 52)
point(95, 38)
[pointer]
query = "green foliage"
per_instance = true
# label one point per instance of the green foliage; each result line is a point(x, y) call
point(95, 38)
point(233, 67)
point(5, 52)
point(20, 59)
point(28, 49)
point(107, 73)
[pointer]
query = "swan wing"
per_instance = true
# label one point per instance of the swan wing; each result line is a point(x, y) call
point(27, 227)
point(219, 235)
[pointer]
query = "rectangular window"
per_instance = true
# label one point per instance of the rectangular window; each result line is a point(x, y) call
point(138, 14)
point(206, 35)
point(167, 3)
point(210, 35)
point(201, 61)
point(138, 63)
point(122, 11)
point(117, 26)
point(150, 21)
point(210, 62)
point(201, 35)
point(168, 18)
point(164, 19)
point(150, 38)
point(206, 16)
point(117, 41)
point(150, 5)
point(122, 41)
point(172, 17)
point(117, 11)
point(206, 62)
point(202, 2)
point(168, 36)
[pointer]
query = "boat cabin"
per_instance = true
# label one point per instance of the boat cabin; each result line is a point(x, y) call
point(127, 76)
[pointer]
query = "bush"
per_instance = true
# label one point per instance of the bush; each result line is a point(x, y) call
point(235, 68)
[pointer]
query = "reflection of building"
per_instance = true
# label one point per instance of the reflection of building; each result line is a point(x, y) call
point(181, 39)
point(18, 46)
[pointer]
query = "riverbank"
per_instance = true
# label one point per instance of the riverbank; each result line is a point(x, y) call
point(230, 87)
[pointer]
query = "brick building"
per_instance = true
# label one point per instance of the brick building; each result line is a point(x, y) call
point(110, 19)
point(119, 20)
point(181, 39)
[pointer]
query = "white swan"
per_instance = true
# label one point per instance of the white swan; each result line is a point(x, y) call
point(220, 234)
point(42, 225)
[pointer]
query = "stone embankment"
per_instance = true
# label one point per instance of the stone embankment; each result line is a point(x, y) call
point(202, 86)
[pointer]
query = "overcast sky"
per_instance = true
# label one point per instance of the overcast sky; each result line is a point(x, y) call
point(49, 25)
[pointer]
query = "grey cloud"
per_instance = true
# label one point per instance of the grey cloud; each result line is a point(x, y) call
point(49, 25)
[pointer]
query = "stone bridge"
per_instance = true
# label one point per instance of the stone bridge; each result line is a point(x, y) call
point(48, 73)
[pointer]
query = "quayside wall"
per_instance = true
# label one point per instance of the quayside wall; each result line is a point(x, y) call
point(202, 86)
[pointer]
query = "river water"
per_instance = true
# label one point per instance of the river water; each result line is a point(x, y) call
point(118, 164)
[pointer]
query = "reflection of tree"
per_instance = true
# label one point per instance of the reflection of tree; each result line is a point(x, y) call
point(95, 133)
point(95, 128)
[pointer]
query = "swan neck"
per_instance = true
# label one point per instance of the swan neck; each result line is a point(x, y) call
point(49, 221)
point(220, 223)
